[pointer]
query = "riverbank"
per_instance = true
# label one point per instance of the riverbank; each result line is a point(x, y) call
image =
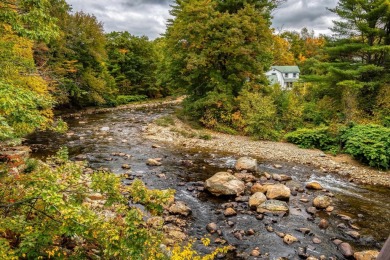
point(182, 135)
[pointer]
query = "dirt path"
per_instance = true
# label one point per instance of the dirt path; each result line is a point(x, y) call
point(180, 134)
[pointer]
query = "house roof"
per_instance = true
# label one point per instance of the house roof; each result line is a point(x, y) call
point(273, 79)
point(287, 69)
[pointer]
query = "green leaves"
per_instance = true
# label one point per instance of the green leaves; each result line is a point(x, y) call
point(369, 144)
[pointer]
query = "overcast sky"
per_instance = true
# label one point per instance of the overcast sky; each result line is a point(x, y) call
point(148, 17)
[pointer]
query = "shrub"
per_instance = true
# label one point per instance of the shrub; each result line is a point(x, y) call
point(125, 99)
point(320, 137)
point(369, 144)
point(57, 211)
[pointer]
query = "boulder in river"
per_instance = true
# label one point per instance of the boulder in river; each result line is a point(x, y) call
point(224, 183)
point(278, 192)
point(153, 162)
point(322, 202)
point(346, 249)
point(366, 255)
point(246, 163)
point(273, 206)
point(313, 186)
point(257, 199)
point(179, 208)
point(289, 239)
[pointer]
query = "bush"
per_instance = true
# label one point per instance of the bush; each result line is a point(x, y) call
point(125, 99)
point(369, 144)
point(320, 137)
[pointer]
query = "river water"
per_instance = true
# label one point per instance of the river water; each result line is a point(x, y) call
point(99, 136)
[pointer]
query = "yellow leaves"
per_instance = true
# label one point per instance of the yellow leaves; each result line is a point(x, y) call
point(123, 51)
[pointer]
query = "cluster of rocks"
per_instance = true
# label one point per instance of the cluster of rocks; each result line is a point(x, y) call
point(270, 195)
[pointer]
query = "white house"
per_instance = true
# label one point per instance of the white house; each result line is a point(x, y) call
point(285, 76)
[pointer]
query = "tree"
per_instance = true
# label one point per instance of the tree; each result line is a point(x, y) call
point(77, 62)
point(213, 53)
point(133, 64)
point(30, 19)
point(359, 55)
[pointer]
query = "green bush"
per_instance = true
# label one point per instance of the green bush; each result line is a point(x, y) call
point(125, 99)
point(320, 137)
point(369, 144)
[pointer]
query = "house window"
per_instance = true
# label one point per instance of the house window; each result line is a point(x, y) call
point(294, 75)
point(273, 73)
point(286, 75)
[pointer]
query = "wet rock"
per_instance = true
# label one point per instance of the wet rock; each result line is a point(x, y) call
point(187, 163)
point(337, 242)
point(269, 229)
point(311, 210)
point(273, 206)
point(322, 202)
point(342, 226)
point(250, 232)
point(316, 240)
point(212, 227)
point(312, 258)
point(224, 183)
point(329, 209)
point(284, 177)
point(238, 235)
point(278, 166)
point(289, 239)
point(267, 175)
point(304, 200)
point(173, 234)
point(246, 163)
point(278, 192)
point(229, 212)
point(81, 157)
point(324, 224)
point(153, 162)
point(246, 177)
point(353, 234)
point(276, 177)
point(220, 241)
point(179, 208)
point(230, 223)
point(344, 217)
point(257, 187)
point(242, 198)
point(346, 249)
point(260, 216)
point(162, 176)
point(126, 166)
point(255, 252)
point(156, 146)
point(256, 199)
point(313, 186)
point(366, 255)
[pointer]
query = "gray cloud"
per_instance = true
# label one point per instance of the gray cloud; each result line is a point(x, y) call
point(148, 17)
point(296, 14)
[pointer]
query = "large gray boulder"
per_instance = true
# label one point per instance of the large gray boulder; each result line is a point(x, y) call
point(224, 183)
point(246, 163)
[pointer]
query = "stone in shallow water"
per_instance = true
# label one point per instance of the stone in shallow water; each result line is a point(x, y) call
point(257, 199)
point(322, 202)
point(289, 239)
point(273, 206)
point(313, 186)
point(346, 249)
point(246, 163)
point(278, 192)
point(224, 183)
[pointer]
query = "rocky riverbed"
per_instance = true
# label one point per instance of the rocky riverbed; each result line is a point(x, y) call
point(342, 165)
point(285, 207)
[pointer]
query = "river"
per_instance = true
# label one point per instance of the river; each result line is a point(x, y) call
point(99, 136)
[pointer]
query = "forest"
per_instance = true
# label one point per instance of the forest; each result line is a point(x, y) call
point(214, 52)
